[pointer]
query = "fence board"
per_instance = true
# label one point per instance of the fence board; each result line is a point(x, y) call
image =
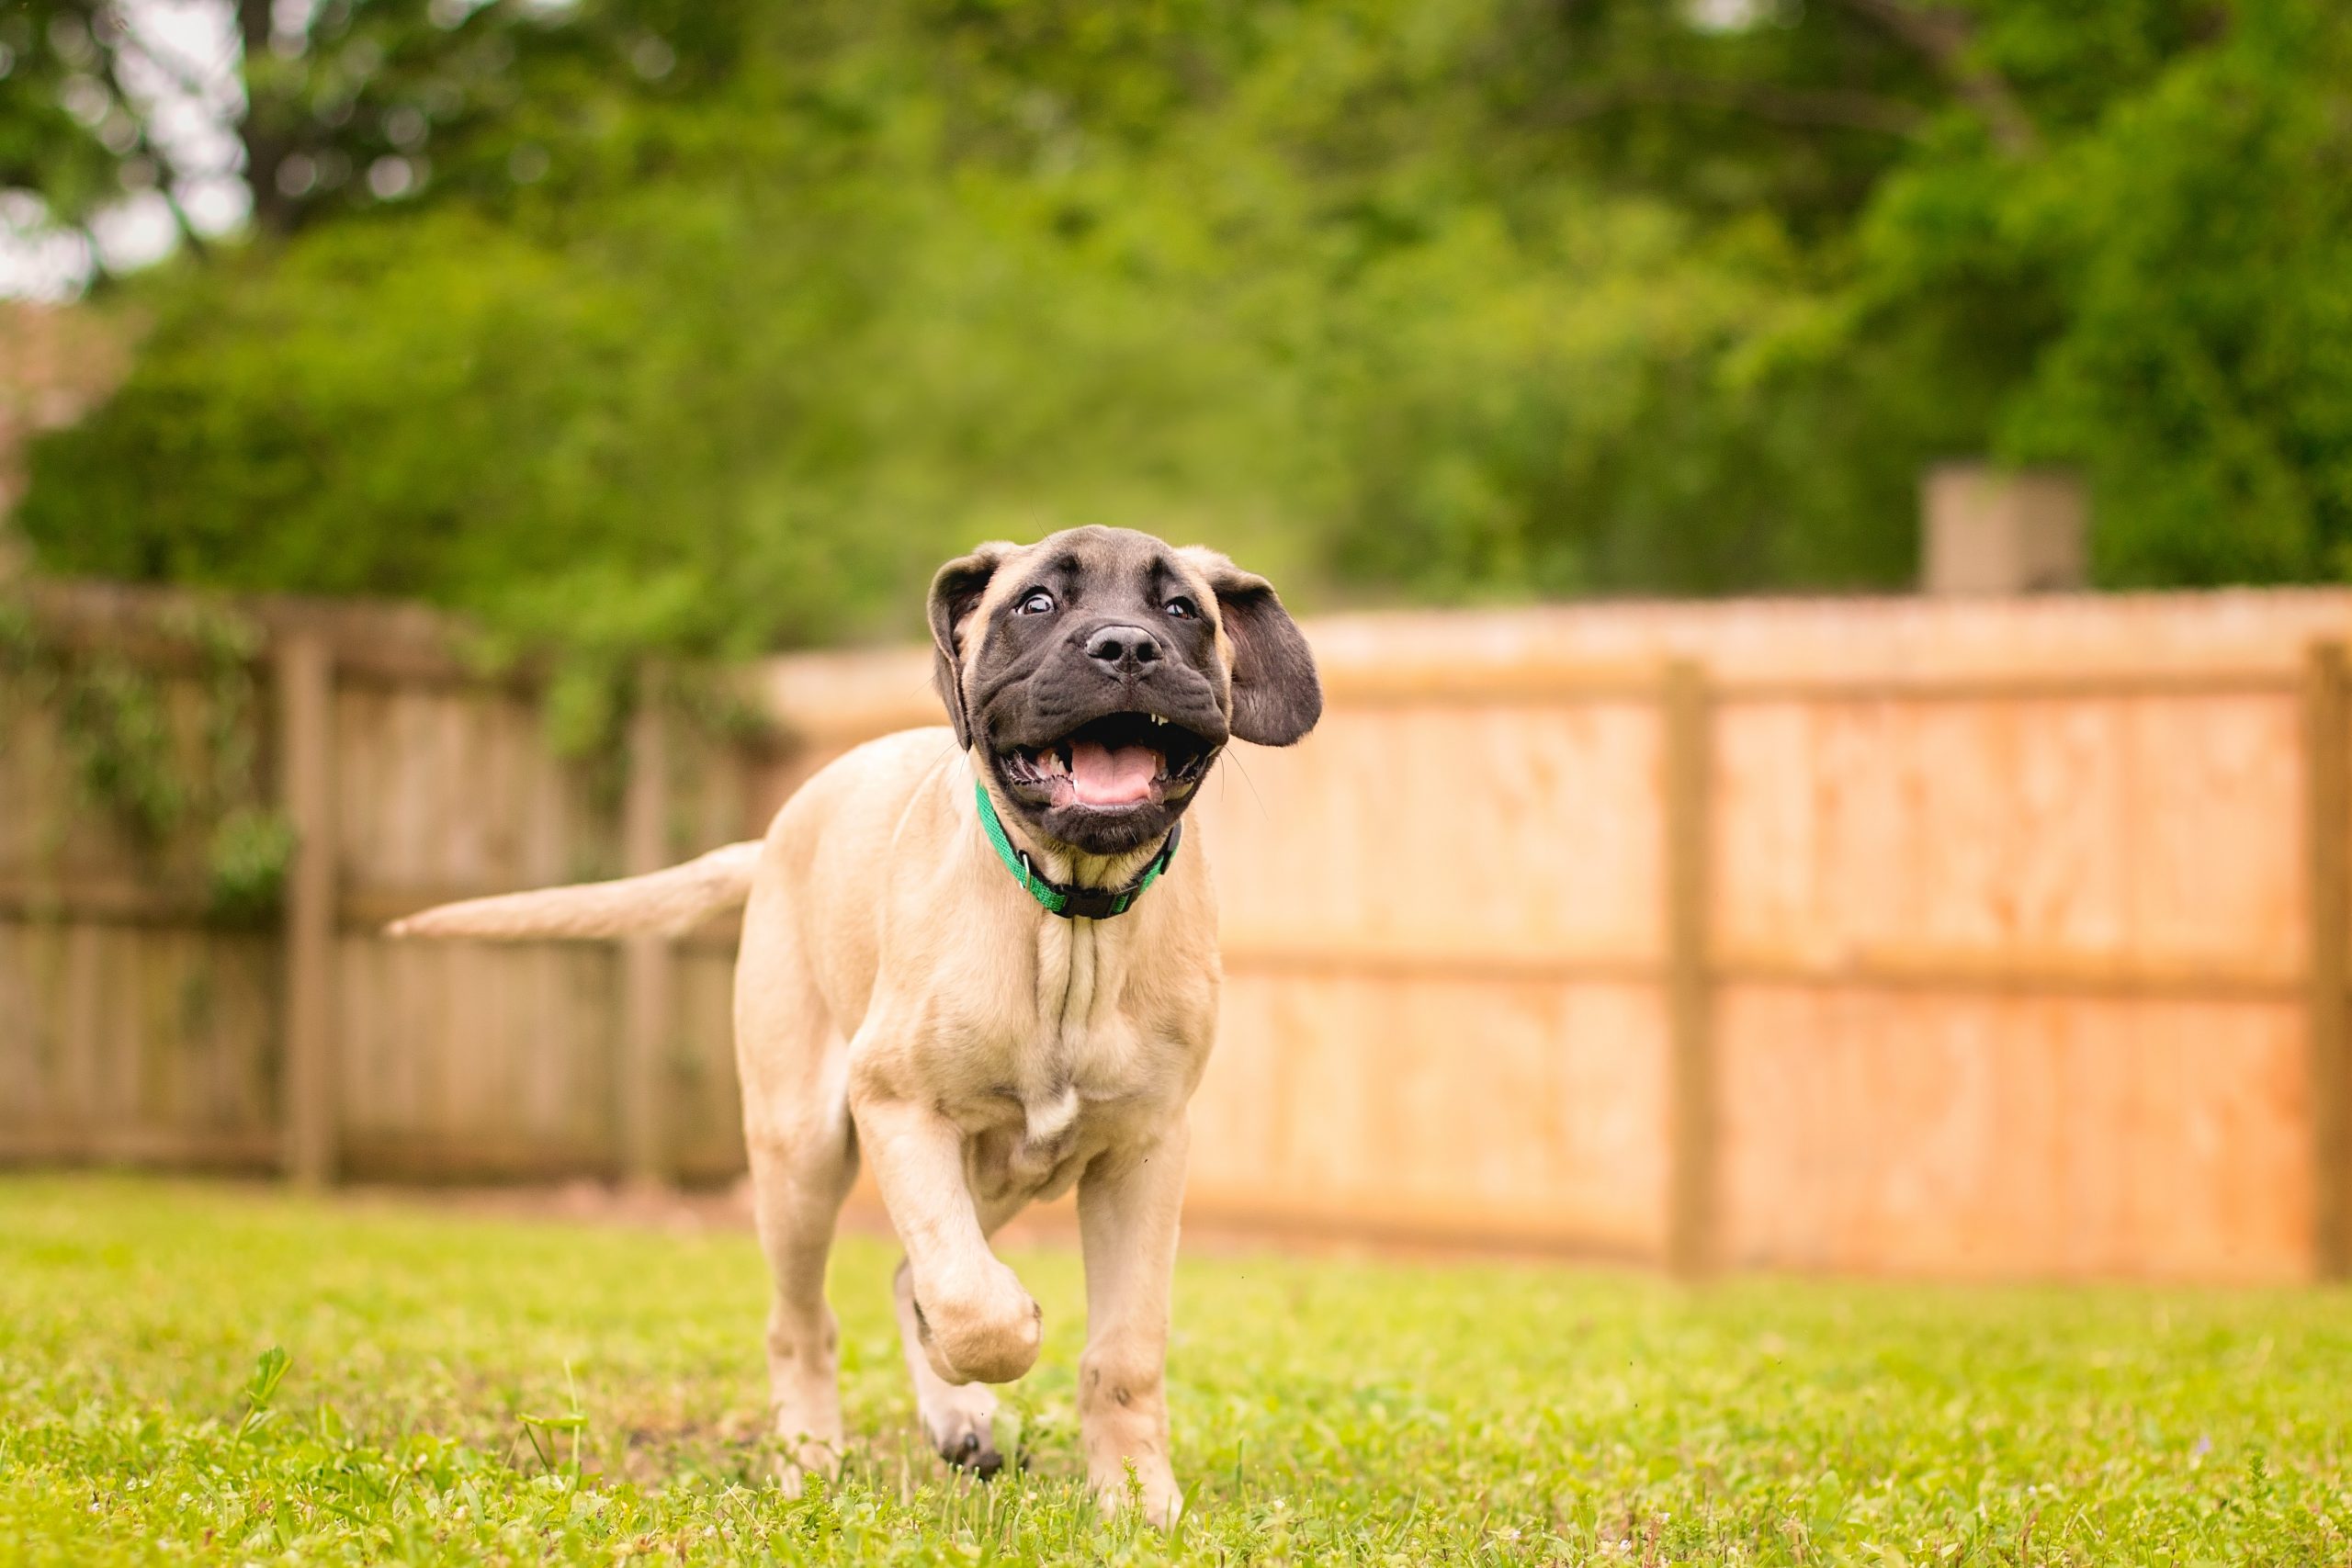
point(305, 672)
point(1326, 1107)
point(1689, 826)
point(1504, 831)
point(706, 1127)
point(137, 1028)
point(2327, 891)
point(510, 1045)
point(649, 969)
point(2085, 828)
point(1973, 1135)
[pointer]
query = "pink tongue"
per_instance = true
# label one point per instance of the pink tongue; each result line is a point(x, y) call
point(1105, 777)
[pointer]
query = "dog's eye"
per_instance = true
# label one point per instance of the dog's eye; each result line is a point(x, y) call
point(1035, 602)
point(1184, 609)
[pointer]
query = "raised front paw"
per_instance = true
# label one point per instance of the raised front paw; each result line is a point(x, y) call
point(987, 1330)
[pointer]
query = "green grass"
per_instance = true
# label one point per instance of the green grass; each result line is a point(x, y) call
point(443, 1373)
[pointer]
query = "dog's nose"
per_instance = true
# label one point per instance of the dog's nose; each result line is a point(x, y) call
point(1122, 647)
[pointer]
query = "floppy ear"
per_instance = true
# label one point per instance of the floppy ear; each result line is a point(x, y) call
point(954, 593)
point(1276, 697)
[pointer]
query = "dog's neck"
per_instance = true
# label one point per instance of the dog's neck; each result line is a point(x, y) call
point(1059, 862)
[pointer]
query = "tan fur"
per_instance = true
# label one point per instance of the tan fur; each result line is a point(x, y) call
point(663, 903)
point(900, 997)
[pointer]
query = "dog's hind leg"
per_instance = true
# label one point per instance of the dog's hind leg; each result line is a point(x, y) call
point(798, 1180)
point(803, 1160)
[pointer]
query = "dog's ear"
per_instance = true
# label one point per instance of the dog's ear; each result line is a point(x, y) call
point(954, 593)
point(1276, 697)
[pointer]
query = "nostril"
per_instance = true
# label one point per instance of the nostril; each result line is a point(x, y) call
point(1122, 646)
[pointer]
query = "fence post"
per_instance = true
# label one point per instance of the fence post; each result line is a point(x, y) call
point(1687, 714)
point(647, 982)
point(303, 666)
point(2327, 850)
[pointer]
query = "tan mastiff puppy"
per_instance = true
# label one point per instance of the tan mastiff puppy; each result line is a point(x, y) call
point(980, 958)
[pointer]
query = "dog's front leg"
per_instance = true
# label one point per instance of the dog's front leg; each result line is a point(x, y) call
point(1128, 1205)
point(977, 1321)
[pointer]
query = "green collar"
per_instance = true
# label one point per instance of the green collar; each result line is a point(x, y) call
point(1059, 898)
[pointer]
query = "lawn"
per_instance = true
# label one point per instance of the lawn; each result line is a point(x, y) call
point(461, 1387)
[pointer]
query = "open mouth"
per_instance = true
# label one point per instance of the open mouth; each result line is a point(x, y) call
point(1107, 764)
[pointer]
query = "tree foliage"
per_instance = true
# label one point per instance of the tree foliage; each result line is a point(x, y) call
point(712, 326)
point(337, 104)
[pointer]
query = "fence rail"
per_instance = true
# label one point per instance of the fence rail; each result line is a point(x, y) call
point(2004, 939)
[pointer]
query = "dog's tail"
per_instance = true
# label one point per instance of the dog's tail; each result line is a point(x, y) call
point(660, 903)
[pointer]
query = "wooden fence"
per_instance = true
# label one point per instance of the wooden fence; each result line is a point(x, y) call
point(1959, 938)
point(136, 1024)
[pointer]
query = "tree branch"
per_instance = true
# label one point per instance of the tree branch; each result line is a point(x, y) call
point(1943, 38)
point(266, 143)
point(1833, 108)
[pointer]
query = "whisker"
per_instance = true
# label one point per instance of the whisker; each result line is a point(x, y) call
point(1235, 758)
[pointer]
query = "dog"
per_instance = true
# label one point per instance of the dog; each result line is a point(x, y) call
point(982, 959)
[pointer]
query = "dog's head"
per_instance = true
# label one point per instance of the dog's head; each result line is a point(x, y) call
point(1097, 672)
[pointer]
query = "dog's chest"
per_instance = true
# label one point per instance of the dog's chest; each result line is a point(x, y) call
point(1024, 1149)
point(1029, 1135)
point(1052, 1081)
point(1055, 1074)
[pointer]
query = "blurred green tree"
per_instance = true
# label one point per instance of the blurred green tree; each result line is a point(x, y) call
point(711, 328)
point(55, 140)
point(333, 106)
